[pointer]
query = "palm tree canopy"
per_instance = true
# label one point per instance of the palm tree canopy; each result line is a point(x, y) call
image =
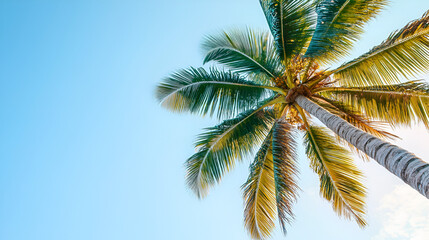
point(254, 93)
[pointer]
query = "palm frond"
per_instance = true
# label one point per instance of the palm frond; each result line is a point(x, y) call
point(261, 78)
point(249, 52)
point(197, 91)
point(357, 119)
point(340, 180)
point(285, 171)
point(339, 24)
point(220, 146)
point(404, 53)
point(259, 193)
point(290, 23)
point(353, 116)
point(397, 104)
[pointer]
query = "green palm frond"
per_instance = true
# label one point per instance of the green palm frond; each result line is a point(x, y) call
point(259, 193)
point(339, 24)
point(260, 78)
point(290, 23)
point(219, 147)
point(404, 53)
point(249, 52)
point(197, 91)
point(285, 171)
point(340, 180)
point(397, 104)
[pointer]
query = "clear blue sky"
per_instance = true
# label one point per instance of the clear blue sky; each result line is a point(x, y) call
point(87, 153)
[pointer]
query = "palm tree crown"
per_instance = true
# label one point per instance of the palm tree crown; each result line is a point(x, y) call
point(276, 79)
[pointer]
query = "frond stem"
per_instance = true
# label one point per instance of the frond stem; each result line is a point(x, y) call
point(343, 89)
point(307, 68)
point(275, 89)
point(313, 83)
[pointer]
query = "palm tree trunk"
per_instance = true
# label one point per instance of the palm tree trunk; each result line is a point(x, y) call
point(411, 169)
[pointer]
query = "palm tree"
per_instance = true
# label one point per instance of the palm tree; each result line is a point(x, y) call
point(276, 82)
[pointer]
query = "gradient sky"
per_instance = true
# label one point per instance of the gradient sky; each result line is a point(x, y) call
point(87, 153)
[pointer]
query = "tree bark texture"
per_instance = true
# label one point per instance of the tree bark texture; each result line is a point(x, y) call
point(405, 165)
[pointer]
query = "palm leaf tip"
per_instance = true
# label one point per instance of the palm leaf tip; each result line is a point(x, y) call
point(340, 180)
point(194, 179)
point(259, 194)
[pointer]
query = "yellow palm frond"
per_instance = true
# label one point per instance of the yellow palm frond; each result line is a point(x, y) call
point(340, 180)
point(259, 194)
point(398, 104)
point(404, 53)
point(354, 117)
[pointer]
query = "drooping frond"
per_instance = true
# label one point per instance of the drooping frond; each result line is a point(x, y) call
point(219, 147)
point(285, 171)
point(357, 119)
point(403, 54)
point(260, 194)
point(353, 116)
point(249, 52)
point(197, 91)
point(398, 104)
point(290, 23)
point(339, 24)
point(340, 180)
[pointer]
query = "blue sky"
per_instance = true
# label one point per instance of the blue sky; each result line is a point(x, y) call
point(87, 153)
